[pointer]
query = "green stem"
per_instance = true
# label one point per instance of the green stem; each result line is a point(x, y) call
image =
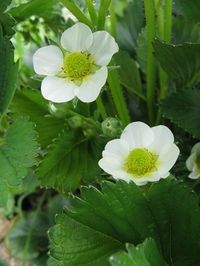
point(118, 97)
point(151, 64)
point(103, 9)
point(168, 20)
point(92, 11)
point(113, 20)
point(101, 107)
point(76, 12)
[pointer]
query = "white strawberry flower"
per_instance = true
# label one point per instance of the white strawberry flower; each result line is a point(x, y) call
point(193, 162)
point(142, 154)
point(79, 69)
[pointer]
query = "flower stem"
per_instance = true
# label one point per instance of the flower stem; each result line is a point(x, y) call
point(113, 20)
point(92, 11)
point(118, 97)
point(101, 107)
point(151, 64)
point(168, 20)
point(76, 12)
point(103, 9)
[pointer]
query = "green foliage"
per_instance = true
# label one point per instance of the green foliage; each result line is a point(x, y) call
point(103, 221)
point(181, 62)
point(32, 104)
point(145, 254)
point(189, 9)
point(141, 50)
point(70, 158)
point(27, 237)
point(44, 9)
point(183, 109)
point(8, 69)
point(130, 25)
point(129, 73)
point(17, 154)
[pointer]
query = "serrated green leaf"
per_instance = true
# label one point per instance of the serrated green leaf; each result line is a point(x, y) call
point(70, 159)
point(181, 62)
point(145, 254)
point(4, 4)
point(17, 154)
point(39, 8)
point(183, 109)
point(130, 25)
point(32, 104)
point(169, 213)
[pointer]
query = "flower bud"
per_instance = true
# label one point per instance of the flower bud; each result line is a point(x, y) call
point(111, 127)
point(75, 121)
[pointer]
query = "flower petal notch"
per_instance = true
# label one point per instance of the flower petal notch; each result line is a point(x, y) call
point(142, 154)
point(193, 162)
point(79, 69)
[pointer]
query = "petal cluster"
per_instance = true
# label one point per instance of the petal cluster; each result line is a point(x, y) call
point(142, 154)
point(50, 61)
point(193, 162)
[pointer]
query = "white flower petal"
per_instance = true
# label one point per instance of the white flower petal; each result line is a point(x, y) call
point(190, 162)
point(79, 37)
point(110, 164)
point(103, 48)
point(90, 88)
point(117, 147)
point(48, 60)
point(194, 175)
point(167, 159)
point(163, 138)
point(57, 90)
point(138, 134)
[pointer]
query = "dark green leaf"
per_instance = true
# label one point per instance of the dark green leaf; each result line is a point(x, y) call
point(120, 213)
point(145, 254)
point(4, 4)
point(181, 62)
point(31, 103)
point(130, 25)
point(189, 9)
point(28, 236)
point(17, 154)
point(183, 109)
point(39, 8)
point(129, 73)
point(8, 72)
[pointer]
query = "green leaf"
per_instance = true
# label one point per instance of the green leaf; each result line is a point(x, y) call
point(17, 154)
point(130, 25)
point(129, 73)
point(120, 213)
point(32, 104)
point(183, 109)
point(68, 160)
point(27, 238)
point(141, 50)
point(39, 8)
point(181, 62)
point(185, 30)
point(4, 4)
point(145, 254)
point(189, 9)
point(8, 72)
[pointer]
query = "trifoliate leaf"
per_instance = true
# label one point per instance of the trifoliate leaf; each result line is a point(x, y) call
point(145, 254)
point(181, 62)
point(183, 109)
point(104, 220)
point(17, 154)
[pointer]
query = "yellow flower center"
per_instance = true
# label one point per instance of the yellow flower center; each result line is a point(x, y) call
point(140, 162)
point(77, 65)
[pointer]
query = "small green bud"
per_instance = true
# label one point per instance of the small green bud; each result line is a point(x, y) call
point(89, 132)
point(111, 127)
point(75, 121)
point(59, 110)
